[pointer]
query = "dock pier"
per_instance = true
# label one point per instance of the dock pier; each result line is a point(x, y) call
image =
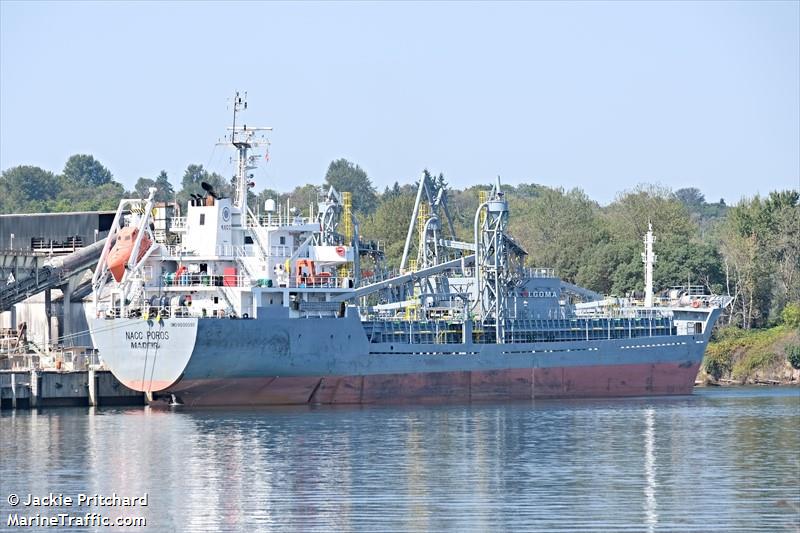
point(33, 377)
point(33, 389)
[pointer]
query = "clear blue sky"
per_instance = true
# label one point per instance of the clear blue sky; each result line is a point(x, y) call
point(600, 96)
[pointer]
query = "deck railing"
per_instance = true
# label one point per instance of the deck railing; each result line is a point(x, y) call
point(539, 272)
point(227, 250)
point(518, 331)
point(161, 312)
point(275, 220)
point(200, 279)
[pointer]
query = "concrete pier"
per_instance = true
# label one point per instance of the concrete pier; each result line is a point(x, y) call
point(20, 389)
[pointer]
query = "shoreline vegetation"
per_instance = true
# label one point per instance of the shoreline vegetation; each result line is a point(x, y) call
point(749, 250)
point(767, 356)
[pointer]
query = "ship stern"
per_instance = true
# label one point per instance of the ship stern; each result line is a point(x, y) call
point(145, 355)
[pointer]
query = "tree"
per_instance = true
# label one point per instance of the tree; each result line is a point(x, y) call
point(791, 315)
point(691, 197)
point(744, 247)
point(142, 187)
point(82, 169)
point(607, 268)
point(345, 176)
point(390, 193)
point(190, 184)
point(783, 220)
point(303, 196)
point(388, 224)
point(632, 211)
point(462, 205)
point(85, 185)
point(165, 192)
point(761, 246)
point(27, 189)
point(553, 222)
point(103, 198)
point(526, 191)
point(680, 262)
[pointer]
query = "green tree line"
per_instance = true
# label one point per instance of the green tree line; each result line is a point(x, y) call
point(749, 250)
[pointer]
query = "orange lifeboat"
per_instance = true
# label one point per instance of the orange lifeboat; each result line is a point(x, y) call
point(121, 252)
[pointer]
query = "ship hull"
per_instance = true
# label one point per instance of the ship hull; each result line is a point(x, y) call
point(279, 361)
point(435, 387)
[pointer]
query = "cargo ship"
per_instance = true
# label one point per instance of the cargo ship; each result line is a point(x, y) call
point(227, 306)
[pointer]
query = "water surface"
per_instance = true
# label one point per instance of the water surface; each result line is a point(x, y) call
point(721, 459)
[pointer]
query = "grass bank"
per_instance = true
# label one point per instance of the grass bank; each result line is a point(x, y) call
point(751, 356)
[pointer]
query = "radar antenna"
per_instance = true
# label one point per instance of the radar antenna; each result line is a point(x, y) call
point(243, 138)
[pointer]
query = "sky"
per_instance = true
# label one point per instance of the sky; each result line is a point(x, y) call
point(599, 96)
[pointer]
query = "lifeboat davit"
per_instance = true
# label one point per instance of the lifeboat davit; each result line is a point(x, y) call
point(121, 252)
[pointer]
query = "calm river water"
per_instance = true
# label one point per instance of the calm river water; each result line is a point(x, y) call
point(722, 459)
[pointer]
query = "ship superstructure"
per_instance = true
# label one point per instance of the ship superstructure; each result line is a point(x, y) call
point(236, 307)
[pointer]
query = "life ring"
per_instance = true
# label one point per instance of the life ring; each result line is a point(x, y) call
point(695, 303)
point(245, 316)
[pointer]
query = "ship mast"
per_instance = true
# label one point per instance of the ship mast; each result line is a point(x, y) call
point(649, 259)
point(243, 138)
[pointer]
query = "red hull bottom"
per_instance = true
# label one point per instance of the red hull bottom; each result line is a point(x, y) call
point(435, 387)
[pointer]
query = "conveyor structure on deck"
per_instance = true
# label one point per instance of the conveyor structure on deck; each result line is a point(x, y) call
point(405, 278)
point(586, 294)
point(466, 261)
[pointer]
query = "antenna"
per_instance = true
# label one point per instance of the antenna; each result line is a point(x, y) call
point(243, 138)
point(239, 104)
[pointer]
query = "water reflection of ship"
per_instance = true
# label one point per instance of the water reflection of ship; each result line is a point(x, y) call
point(650, 506)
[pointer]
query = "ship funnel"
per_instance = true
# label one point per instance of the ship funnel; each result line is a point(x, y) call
point(208, 188)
